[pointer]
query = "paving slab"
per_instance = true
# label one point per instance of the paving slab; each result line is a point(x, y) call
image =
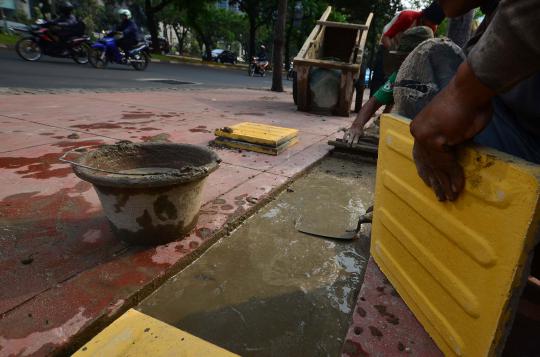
point(65, 275)
point(382, 323)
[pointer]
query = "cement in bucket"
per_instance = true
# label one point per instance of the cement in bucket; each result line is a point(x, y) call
point(150, 192)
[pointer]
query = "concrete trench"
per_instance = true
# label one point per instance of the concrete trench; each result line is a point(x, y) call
point(269, 290)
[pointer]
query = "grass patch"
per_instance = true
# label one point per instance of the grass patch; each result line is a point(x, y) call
point(8, 39)
point(163, 57)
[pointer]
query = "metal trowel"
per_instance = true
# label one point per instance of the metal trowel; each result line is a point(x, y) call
point(315, 227)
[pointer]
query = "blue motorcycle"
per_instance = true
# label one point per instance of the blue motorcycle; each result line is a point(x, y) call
point(106, 50)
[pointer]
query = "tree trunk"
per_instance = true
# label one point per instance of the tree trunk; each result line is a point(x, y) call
point(288, 37)
point(252, 34)
point(152, 25)
point(459, 28)
point(179, 37)
point(279, 39)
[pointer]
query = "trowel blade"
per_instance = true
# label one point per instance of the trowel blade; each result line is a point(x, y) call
point(323, 232)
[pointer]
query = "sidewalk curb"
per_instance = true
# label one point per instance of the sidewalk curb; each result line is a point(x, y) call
point(207, 64)
point(202, 64)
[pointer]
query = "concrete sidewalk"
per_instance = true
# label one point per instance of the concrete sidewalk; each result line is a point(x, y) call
point(65, 276)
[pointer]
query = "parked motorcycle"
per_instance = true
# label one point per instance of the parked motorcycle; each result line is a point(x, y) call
point(106, 50)
point(257, 67)
point(38, 41)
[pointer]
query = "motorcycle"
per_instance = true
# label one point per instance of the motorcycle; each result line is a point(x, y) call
point(290, 72)
point(38, 41)
point(257, 67)
point(106, 50)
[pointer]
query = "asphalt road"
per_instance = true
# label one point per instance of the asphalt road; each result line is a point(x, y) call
point(54, 73)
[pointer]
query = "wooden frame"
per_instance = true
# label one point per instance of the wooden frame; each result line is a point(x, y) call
point(313, 49)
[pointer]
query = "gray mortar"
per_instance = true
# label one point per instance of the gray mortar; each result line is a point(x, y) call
point(172, 163)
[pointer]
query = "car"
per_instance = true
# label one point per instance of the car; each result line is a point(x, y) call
point(227, 57)
point(221, 56)
point(214, 55)
point(14, 25)
point(164, 45)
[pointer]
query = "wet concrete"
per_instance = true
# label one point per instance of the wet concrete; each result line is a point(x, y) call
point(268, 290)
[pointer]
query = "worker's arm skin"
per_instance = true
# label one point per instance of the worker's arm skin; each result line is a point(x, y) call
point(386, 42)
point(356, 131)
point(455, 8)
point(455, 115)
point(507, 53)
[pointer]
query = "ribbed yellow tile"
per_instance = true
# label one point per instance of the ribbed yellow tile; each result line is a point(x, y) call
point(258, 134)
point(235, 144)
point(136, 334)
point(458, 265)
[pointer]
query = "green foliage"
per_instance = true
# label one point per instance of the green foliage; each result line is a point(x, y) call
point(92, 14)
point(8, 39)
point(210, 24)
point(20, 16)
point(338, 16)
point(417, 4)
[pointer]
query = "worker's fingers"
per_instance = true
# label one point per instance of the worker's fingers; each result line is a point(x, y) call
point(444, 183)
point(457, 179)
point(437, 187)
point(424, 172)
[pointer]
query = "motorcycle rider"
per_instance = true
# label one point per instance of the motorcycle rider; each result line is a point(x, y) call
point(129, 30)
point(66, 25)
point(262, 58)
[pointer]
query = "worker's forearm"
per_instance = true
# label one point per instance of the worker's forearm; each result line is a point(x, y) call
point(386, 41)
point(459, 112)
point(454, 8)
point(469, 89)
point(367, 111)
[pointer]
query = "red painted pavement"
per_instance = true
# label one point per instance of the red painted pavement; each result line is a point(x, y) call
point(383, 325)
point(64, 275)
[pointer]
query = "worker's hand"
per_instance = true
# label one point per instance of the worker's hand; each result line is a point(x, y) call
point(455, 115)
point(354, 133)
point(440, 171)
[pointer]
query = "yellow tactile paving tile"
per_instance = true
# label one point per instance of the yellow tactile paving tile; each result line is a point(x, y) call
point(258, 134)
point(136, 334)
point(458, 265)
point(263, 149)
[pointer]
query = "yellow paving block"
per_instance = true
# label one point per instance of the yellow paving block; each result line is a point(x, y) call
point(459, 265)
point(136, 334)
point(235, 144)
point(258, 134)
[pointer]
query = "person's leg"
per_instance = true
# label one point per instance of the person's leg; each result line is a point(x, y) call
point(378, 78)
point(505, 134)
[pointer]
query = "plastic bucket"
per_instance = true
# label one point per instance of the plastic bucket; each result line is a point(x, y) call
point(150, 192)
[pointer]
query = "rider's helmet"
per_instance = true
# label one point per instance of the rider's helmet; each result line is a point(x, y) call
point(65, 8)
point(263, 47)
point(124, 12)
